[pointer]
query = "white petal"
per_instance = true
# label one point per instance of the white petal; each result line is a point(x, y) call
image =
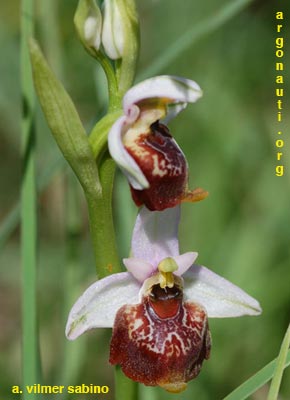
point(184, 262)
point(172, 88)
point(172, 111)
point(140, 269)
point(155, 235)
point(126, 163)
point(98, 305)
point(220, 297)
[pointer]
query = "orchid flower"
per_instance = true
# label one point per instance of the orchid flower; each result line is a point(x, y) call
point(143, 147)
point(159, 309)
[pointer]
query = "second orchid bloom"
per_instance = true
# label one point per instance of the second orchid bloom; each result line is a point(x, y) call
point(159, 309)
point(143, 147)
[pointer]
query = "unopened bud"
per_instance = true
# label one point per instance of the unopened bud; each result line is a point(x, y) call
point(88, 22)
point(113, 34)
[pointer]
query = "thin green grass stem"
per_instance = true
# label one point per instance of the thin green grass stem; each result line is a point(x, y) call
point(280, 365)
point(11, 221)
point(30, 354)
point(256, 381)
point(125, 388)
point(73, 352)
point(185, 41)
point(49, 12)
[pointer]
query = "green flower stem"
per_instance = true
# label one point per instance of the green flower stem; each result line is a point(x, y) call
point(30, 355)
point(125, 387)
point(100, 208)
point(114, 95)
point(101, 221)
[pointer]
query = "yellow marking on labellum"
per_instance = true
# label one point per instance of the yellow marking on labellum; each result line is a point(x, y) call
point(157, 170)
point(142, 125)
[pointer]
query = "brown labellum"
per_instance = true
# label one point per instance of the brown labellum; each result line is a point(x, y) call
point(161, 341)
point(164, 165)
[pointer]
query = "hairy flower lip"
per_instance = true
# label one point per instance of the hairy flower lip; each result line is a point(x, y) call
point(167, 352)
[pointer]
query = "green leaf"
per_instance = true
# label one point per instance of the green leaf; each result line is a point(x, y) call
point(256, 381)
point(64, 122)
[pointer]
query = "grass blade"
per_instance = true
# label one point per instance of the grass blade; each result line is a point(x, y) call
point(125, 387)
point(28, 209)
point(11, 221)
point(277, 378)
point(256, 381)
point(8, 224)
point(185, 41)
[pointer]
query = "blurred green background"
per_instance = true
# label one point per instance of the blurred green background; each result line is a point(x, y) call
point(241, 230)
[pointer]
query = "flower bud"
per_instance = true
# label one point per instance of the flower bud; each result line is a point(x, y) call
point(88, 22)
point(113, 34)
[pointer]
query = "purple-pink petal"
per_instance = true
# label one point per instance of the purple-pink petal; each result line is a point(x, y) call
point(155, 235)
point(184, 262)
point(140, 269)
